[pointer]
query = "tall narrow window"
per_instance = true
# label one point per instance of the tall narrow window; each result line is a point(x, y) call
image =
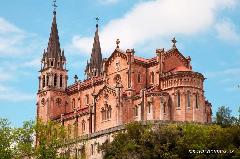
point(92, 149)
point(103, 114)
point(55, 80)
point(98, 147)
point(152, 77)
point(139, 78)
point(109, 112)
point(178, 99)
point(75, 129)
point(149, 107)
point(188, 100)
point(73, 103)
point(164, 108)
point(196, 100)
point(47, 80)
point(61, 80)
point(83, 126)
point(136, 110)
point(43, 81)
point(87, 99)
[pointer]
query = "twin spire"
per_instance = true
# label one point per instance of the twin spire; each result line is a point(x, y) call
point(94, 68)
point(53, 56)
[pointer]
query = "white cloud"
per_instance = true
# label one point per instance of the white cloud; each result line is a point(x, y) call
point(7, 27)
point(226, 30)
point(152, 20)
point(14, 41)
point(34, 63)
point(4, 76)
point(10, 94)
point(230, 72)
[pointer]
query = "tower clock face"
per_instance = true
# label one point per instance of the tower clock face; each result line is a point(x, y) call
point(43, 101)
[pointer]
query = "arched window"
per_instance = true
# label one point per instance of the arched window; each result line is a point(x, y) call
point(92, 149)
point(55, 80)
point(164, 108)
point(76, 129)
point(43, 102)
point(109, 112)
point(178, 99)
point(61, 80)
point(103, 111)
point(73, 103)
point(43, 81)
point(139, 78)
point(47, 80)
point(196, 100)
point(87, 99)
point(149, 107)
point(83, 125)
point(135, 110)
point(152, 77)
point(188, 100)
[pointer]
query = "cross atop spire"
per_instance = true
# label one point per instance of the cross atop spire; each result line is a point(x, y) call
point(174, 41)
point(118, 42)
point(54, 6)
point(97, 20)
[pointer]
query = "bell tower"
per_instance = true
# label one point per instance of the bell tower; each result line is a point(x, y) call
point(52, 98)
point(53, 64)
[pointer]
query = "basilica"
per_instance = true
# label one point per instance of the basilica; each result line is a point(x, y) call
point(117, 90)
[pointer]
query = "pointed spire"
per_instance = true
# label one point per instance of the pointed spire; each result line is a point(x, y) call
point(53, 49)
point(95, 64)
point(53, 56)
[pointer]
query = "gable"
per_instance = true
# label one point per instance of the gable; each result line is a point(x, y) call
point(116, 63)
point(105, 90)
point(172, 59)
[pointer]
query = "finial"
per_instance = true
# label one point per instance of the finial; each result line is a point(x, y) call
point(54, 6)
point(76, 78)
point(97, 20)
point(174, 41)
point(118, 42)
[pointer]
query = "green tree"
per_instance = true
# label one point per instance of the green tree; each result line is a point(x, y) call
point(49, 137)
point(24, 140)
point(224, 117)
point(173, 141)
point(6, 139)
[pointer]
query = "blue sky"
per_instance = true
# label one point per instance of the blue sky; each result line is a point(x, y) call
point(206, 30)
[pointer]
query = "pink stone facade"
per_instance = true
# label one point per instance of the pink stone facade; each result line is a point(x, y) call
point(127, 88)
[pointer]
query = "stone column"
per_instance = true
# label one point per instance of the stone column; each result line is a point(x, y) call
point(39, 83)
point(160, 53)
point(143, 104)
point(119, 104)
point(130, 55)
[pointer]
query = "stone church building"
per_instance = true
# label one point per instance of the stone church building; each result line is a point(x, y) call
point(117, 90)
